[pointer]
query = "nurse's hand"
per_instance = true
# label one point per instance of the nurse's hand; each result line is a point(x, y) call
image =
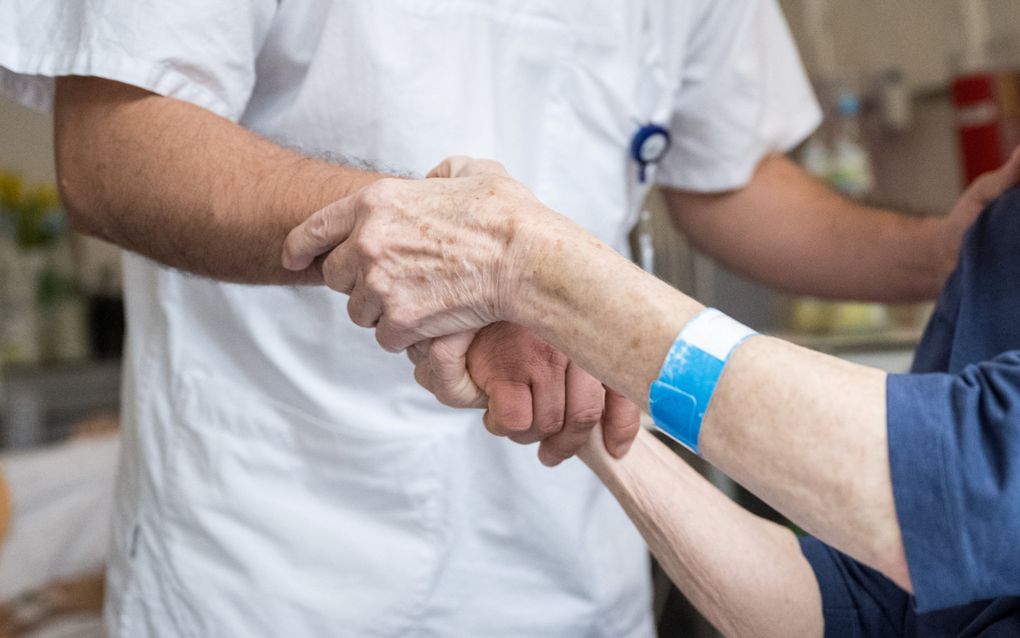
point(425, 258)
point(982, 192)
point(533, 392)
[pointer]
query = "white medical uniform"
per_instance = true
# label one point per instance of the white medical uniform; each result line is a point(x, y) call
point(282, 475)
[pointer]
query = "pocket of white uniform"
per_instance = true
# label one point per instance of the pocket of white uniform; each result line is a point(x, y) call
point(281, 523)
point(569, 77)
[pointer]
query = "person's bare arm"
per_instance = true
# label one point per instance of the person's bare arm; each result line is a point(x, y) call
point(183, 186)
point(192, 190)
point(745, 574)
point(806, 432)
point(787, 230)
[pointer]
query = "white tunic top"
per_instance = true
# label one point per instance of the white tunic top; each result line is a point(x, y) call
point(282, 475)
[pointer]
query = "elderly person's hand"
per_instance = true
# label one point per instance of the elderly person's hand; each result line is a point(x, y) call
point(425, 259)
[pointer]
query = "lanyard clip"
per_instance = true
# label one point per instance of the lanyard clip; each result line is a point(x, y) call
point(649, 146)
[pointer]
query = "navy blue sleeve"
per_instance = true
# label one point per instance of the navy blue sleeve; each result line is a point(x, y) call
point(857, 601)
point(954, 451)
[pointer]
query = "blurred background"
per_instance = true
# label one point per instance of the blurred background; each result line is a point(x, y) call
point(920, 96)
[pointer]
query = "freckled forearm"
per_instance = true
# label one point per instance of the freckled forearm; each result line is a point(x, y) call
point(599, 308)
point(802, 430)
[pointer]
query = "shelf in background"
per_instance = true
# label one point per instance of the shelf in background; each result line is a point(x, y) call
point(42, 403)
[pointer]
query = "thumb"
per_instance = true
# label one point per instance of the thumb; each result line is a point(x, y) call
point(325, 229)
point(452, 382)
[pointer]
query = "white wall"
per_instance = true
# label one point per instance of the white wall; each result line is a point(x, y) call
point(26, 141)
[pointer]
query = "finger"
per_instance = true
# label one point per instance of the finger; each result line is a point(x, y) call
point(465, 166)
point(395, 338)
point(340, 269)
point(423, 375)
point(448, 360)
point(991, 185)
point(364, 306)
point(1009, 174)
point(585, 398)
point(548, 398)
point(449, 167)
point(418, 353)
point(325, 229)
point(621, 422)
point(510, 408)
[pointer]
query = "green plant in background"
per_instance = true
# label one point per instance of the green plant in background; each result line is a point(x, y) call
point(32, 213)
point(41, 312)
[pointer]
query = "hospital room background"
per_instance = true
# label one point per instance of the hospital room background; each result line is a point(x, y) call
point(909, 121)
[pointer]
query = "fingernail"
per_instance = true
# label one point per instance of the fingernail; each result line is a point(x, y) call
point(621, 450)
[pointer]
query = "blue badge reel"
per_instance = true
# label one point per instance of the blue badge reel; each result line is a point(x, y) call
point(679, 398)
point(648, 146)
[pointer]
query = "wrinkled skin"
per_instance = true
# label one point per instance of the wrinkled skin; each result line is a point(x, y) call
point(419, 258)
point(391, 247)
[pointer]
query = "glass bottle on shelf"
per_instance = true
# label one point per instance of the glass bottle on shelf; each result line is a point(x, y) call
point(837, 155)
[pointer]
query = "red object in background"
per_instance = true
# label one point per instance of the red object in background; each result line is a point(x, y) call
point(987, 120)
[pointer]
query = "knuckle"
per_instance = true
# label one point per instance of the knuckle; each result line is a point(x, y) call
point(332, 275)
point(548, 427)
point(376, 281)
point(403, 317)
point(386, 341)
point(357, 316)
point(319, 227)
point(367, 244)
point(585, 418)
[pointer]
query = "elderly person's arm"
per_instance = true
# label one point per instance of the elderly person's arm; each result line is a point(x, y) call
point(421, 260)
point(809, 433)
point(747, 575)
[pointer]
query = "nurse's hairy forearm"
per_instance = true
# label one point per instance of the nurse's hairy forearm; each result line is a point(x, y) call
point(789, 231)
point(183, 186)
point(804, 431)
point(745, 574)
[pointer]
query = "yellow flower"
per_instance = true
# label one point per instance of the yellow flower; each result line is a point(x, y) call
point(41, 199)
point(11, 188)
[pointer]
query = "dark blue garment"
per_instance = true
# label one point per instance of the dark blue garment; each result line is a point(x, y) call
point(954, 452)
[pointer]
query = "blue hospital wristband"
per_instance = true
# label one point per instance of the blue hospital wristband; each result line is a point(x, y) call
point(679, 398)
